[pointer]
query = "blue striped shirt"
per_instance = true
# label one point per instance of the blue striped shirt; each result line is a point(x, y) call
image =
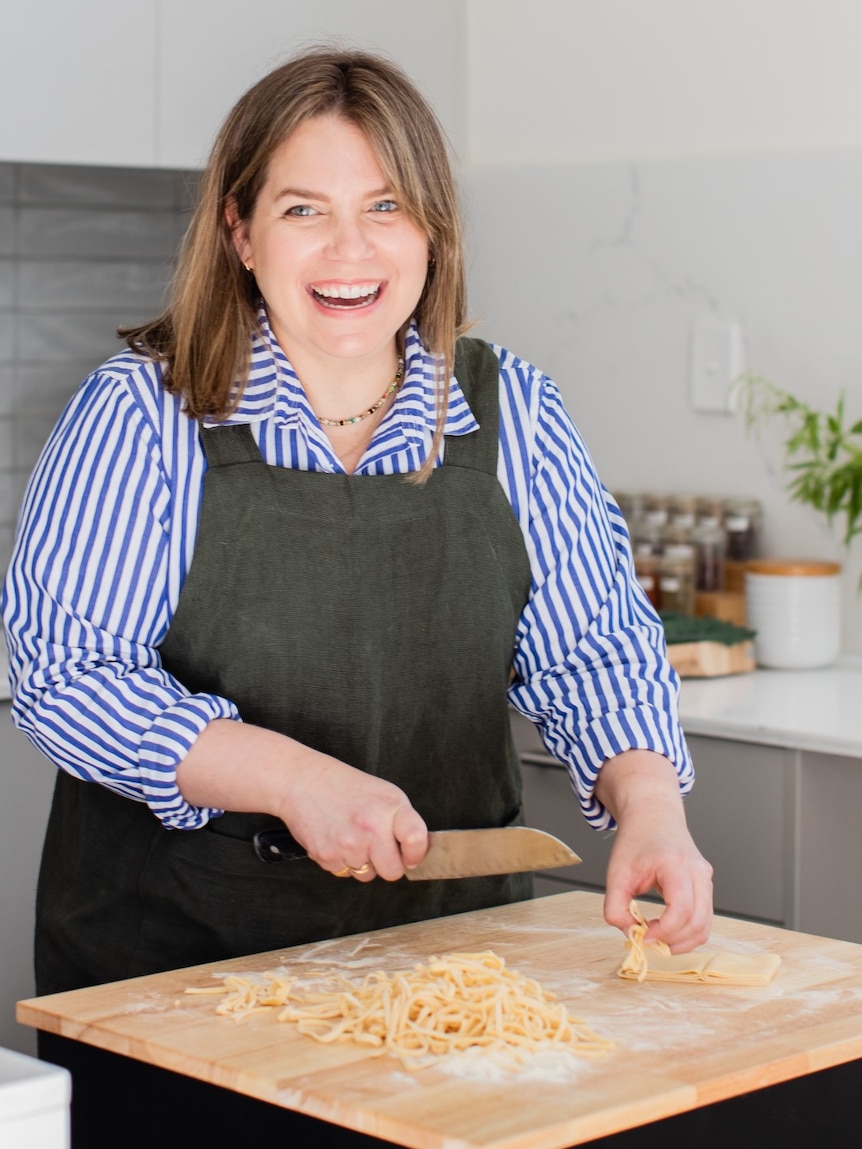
point(107, 533)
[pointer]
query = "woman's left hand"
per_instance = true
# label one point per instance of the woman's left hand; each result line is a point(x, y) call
point(654, 850)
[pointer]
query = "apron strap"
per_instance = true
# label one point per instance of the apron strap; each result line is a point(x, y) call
point(477, 370)
point(225, 446)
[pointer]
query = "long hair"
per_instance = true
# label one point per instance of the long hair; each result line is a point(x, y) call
point(203, 337)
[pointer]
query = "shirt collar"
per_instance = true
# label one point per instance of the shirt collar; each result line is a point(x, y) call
point(273, 391)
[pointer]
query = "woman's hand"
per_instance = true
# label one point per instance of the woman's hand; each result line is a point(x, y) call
point(349, 822)
point(347, 818)
point(654, 850)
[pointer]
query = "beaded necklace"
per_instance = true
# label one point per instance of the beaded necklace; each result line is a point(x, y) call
point(374, 407)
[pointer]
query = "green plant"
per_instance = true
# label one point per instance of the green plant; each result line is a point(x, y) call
point(822, 453)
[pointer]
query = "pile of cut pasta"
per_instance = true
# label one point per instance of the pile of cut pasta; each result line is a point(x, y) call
point(454, 1003)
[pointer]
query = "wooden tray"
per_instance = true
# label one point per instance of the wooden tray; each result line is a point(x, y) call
point(678, 1046)
point(711, 659)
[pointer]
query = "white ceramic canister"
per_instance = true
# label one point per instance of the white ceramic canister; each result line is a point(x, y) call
point(795, 607)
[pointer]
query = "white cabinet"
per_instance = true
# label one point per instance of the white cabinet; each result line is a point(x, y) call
point(147, 82)
point(26, 784)
point(204, 65)
point(78, 82)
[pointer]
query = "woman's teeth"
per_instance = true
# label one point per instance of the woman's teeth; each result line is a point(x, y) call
point(347, 295)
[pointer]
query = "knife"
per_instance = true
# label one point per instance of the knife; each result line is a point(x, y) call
point(454, 853)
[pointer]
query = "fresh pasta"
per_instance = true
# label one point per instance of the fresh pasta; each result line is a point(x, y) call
point(655, 962)
point(448, 1005)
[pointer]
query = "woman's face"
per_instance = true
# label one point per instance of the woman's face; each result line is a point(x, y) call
point(338, 263)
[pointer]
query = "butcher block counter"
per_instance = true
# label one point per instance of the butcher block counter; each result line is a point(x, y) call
point(677, 1047)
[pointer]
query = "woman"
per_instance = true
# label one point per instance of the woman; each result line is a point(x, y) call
point(277, 566)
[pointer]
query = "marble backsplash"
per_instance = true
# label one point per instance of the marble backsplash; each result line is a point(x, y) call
point(597, 273)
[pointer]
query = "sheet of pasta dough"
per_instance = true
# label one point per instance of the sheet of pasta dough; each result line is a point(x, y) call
point(655, 962)
point(726, 968)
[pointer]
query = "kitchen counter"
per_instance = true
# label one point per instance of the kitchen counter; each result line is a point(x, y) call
point(815, 710)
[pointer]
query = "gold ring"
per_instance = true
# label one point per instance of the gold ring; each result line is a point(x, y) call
point(341, 873)
point(363, 869)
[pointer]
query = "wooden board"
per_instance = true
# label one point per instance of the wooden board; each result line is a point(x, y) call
point(678, 1046)
point(711, 659)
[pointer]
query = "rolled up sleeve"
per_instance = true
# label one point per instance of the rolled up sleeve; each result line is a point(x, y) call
point(591, 666)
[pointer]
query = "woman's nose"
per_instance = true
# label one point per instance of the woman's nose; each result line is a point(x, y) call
point(350, 240)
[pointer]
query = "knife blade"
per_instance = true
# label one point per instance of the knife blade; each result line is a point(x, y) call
point(455, 853)
point(478, 853)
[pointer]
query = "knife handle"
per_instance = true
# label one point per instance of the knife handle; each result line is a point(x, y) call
point(277, 846)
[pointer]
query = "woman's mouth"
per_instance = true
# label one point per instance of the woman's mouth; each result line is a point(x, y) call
point(346, 296)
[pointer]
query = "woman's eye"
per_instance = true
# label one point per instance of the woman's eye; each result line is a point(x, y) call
point(300, 209)
point(385, 205)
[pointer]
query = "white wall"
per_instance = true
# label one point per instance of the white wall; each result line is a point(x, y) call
point(636, 166)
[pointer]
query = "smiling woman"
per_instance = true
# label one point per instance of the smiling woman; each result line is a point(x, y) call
point(286, 562)
point(342, 266)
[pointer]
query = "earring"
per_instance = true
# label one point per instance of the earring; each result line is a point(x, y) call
point(248, 268)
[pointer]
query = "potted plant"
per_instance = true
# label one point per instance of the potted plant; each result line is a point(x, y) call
point(823, 453)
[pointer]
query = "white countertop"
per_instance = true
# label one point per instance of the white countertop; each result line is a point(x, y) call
point(34, 1102)
point(818, 710)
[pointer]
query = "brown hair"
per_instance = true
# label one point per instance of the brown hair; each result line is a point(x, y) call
point(203, 336)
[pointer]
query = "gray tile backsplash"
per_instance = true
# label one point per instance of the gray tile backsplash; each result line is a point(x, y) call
point(83, 250)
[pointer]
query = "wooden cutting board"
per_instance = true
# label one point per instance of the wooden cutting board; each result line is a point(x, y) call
point(711, 659)
point(678, 1046)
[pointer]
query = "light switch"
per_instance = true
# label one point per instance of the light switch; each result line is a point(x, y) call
point(716, 362)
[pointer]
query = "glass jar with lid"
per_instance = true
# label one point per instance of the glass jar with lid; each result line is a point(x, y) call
point(631, 505)
point(647, 570)
point(676, 578)
point(743, 519)
point(710, 546)
point(648, 529)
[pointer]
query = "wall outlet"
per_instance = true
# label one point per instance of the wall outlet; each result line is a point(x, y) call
point(716, 362)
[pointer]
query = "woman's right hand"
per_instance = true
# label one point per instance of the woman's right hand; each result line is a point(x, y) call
point(344, 818)
point(347, 818)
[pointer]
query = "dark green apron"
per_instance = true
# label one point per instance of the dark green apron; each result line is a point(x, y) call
point(365, 616)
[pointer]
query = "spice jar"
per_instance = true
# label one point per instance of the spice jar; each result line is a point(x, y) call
point(631, 505)
point(647, 573)
point(742, 521)
point(710, 547)
point(649, 525)
point(676, 579)
point(795, 608)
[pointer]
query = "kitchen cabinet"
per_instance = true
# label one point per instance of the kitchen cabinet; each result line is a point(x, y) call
point(775, 807)
point(740, 813)
point(147, 83)
point(830, 846)
point(26, 784)
point(204, 66)
point(78, 83)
